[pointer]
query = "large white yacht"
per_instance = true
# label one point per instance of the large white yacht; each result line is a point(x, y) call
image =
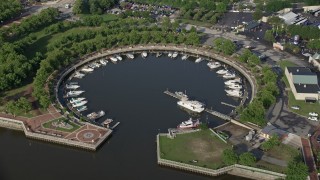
point(234, 93)
point(79, 103)
point(86, 69)
point(213, 65)
point(229, 75)
point(74, 100)
point(96, 115)
point(82, 108)
point(190, 123)
point(181, 94)
point(78, 75)
point(235, 86)
point(72, 86)
point(222, 71)
point(103, 62)
point(194, 106)
point(233, 81)
point(170, 54)
point(74, 93)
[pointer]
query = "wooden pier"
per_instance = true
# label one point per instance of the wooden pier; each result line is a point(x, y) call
point(218, 114)
point(172, 94)
point(114, 126)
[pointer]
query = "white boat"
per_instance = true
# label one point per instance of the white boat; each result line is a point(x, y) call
point(130, 56)
point(74, 100)
point(233, 81)
point(82, 108)
point(78, 75)
point(194, 106)
point(198, 60)
point(175, 54)
point(95, 115)
point(170, 54)
point(222, 71)
point(213, 65)
point(92, 66)
point(234, 93)
point(86, 69)
point(313, 118)
point(229, 75)
point(235, 86)
point(96, 64)
point(119, 57)
point(313, 114)
point(103, 62)
point(185, 57)
point(144, 54)
point(72, 86)
point(113, 59)
point(181, 94)
point(74, 93)
point(190, 123)
point(158, 54)
point(79, 103)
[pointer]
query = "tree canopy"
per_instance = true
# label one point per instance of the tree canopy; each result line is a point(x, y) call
point(92, 6)
point(247, 159)
point(229, 157)
point(9, 9)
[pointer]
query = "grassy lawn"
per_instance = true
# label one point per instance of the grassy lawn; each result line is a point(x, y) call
point(305, 108)
point(202, 146)
point(106, 17)
point(197, 23)
point(282, 152)
point(13, 94)
point(50, 126)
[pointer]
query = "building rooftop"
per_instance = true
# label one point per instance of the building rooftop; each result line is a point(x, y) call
point(316, 56)
point(307, 88)
point(299, 71)
point(271, 130)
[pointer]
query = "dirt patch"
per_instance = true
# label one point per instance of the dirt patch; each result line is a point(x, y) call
point(202, 148)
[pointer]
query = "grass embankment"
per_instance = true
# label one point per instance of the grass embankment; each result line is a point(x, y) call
point(50, 126)
point(305, 108)
point(196, 23)
point(105, 17)
point(202, 146)
point(282, 152)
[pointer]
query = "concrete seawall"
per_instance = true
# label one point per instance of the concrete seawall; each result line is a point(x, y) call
point(195, 51)
point(18, 125)
point(236, 169)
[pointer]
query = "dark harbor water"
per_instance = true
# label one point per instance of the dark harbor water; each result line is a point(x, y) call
point(131, 92)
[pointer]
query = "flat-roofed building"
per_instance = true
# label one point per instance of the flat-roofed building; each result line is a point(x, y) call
point(303, 83)
point(315, 60)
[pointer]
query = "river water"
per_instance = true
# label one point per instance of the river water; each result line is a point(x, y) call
point(130, 92)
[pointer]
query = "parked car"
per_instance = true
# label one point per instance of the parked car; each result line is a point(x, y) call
point(313, 114)
point(313, 118)
point(295, 107)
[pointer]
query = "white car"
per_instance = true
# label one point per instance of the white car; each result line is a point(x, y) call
point(313, 118)
point(313, 114)
point(295, 107)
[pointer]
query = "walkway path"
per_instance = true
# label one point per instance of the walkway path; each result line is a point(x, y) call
point(308, 158)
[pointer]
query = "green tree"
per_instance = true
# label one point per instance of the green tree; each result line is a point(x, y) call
point(229, 157)
point(24, 104)
point(253, 60)
point(228, 47)
point(247, 159)
point(11, 108)
point(271, 143)
point(268, 36)
point(257, 15)
point(245, 56)
point(79, 7)
point(254, 113)
point(296, 170)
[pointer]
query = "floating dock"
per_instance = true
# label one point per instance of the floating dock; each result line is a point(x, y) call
point(114, 126)
point(167, 92)
point(230, 105)
point(218, 114)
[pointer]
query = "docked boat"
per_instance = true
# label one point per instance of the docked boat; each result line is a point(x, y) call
point(86, 69)
point(92, 66)
point(175, 54)
point(130, 56)
point(229, 75)
point(78, 75)
point(113, 59)
point(181, 94)
point(107, 122)
point(74, 93)
point(234, 93)
point(170, 54)
point(235, 86)
point(72, 86)
point(213, 65)
point(96, 64)
point(185, 57)
point(194, 106)
point(198, 60)
point(103, 62)
point(95, 115)
point(144, 54)
point(222, 71)
point(190, 123)
point(79, 103)
point(119, 57)
point(74, 100)
point(81, 108)
point(158, 54)
point(233, 81)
